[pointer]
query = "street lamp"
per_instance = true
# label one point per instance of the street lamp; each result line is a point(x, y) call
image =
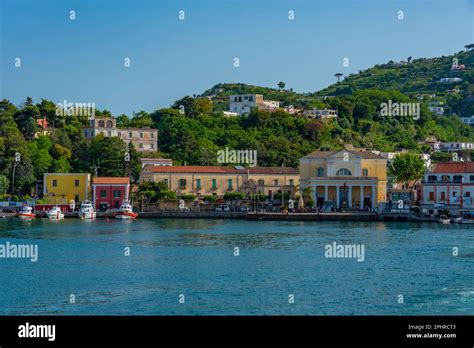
point(17, 162)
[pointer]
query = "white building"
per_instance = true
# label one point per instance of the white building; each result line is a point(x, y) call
point(243, 103)
point(323, 114)
point(438, 110)
point(468, 120)
point(155, 162)
point(450, 79)
point(456, 146)
point(449, 186)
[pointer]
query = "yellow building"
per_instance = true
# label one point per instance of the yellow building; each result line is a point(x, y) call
point(345, 179)
point(61, 188)
point(217, 180)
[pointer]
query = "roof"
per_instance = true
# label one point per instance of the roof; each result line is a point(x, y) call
point(361, 154)
point(454, 167)
point(42, 122)
point(111, 180)
point(221, 170)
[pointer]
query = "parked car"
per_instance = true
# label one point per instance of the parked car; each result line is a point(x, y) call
point(223, 208)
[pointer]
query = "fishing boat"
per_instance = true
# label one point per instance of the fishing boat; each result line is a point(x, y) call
point(26, 212)
point(86, 211)
point(55, 213)
point(444, 220)
point(468, 218)
point(126, 212)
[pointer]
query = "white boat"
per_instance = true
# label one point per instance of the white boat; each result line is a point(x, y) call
point(55, 213)
point(444, 220)
point(26, 212)
point(126, 212)
point(86, 211)
point(468, 218)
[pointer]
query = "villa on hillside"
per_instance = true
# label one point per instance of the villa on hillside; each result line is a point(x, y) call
point(345, 179)
point(244, 103)
point(143, 139)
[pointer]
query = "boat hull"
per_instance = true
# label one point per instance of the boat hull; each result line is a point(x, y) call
point(56, 216)
point(126, 216)
point(26, 216)
point(87, 216)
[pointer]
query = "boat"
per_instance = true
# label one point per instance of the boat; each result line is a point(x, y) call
point(26, 212)
point(444, 220)
point(456, 220)
point(468, 218)
point(126, 212)
point(86, 211)
point(55, 213)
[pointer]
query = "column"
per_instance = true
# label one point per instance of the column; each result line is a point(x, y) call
point(374, 196)
point(349, 197)
point(337, 198)
point(326, 193)
point(315, 194)
point(361, 198)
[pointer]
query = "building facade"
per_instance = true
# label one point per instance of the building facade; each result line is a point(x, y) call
point(217, 180)
point(449, 186)
point(156, 162)
point(143, 139)
point(62, 188)
point(110, 192)
point(345, 179)
point(243, 103)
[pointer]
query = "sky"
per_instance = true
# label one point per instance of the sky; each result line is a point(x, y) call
point(82, 60)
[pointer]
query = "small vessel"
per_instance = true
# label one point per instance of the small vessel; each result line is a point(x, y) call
point(126, 211)
point(457, 220)
point(26, 212)
point(55, 213)
point(444, 220)
point(468, 218)
point(86, 211)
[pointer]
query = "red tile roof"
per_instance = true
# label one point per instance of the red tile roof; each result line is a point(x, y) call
point(362, 154)
point(111, 180)
point(454, 167)
point(221, 170)
point(42, 122)
point(272, 170)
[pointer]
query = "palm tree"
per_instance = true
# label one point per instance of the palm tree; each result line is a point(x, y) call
point(281, 85)
point(338, 75)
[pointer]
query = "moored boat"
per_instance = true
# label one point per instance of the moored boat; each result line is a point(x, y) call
point(126, 212)
point(468, 218)
point(86, 211)
point(55, 213)
point(26, 212)
point(444, 220)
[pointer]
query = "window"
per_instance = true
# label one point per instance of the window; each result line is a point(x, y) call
point(467, 194)
point(251, 98)
point(116, 193)
point(76, 183)
point(182, 184)
point(141, 134)
point(445, 178)
point(365, 172)
point(457, 178)
point(101, 123)
point(198, 184)
point(103, 194)
point(432, 178)
point(261, 182)
point(152, 135)
point(214, 184)
point(246, 97)
point(320, 172)
point(229, 184)
point(130, 135)
point(471, 178)
point(55, 183)
point(275, 182)
point(443, 196)
point(76, 198)
point(85, 134)
point(152, 146)
point(109, 124)
point(292, 182)
point(344, 172)
point(166, 182)
point(431, 198)
point(140, 145)
point(119, 134)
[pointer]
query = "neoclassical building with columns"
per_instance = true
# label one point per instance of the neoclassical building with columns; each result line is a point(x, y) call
point(346, 179)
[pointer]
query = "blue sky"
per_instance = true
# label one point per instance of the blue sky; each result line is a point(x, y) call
point(83, 60)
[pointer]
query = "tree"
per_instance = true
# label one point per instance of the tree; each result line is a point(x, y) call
point(338, 76)
point(281, 85)
point(4, 184)
point(109, 154)
point(407, 167)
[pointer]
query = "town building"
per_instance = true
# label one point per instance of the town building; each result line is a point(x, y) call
point(437, 110)
point(244, 103)
point(456, 146)
point(143, 139)
point(108, 193)
point(62, 188)
point(468, 120)
point(156, 162)
point(449, 186)
point(217, 180)
point(323, 114)
point(450, 79)
point(44, 128)
point(345, 179)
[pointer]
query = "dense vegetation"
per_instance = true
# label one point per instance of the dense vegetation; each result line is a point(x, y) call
point(194, 128)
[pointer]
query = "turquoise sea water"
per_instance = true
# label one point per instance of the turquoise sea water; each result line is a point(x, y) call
point(170, 257)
